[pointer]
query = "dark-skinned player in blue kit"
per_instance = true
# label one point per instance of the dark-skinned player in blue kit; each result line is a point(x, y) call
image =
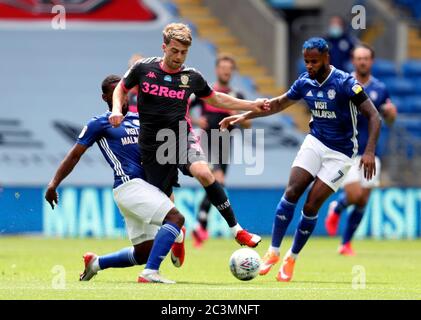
point(334, 98)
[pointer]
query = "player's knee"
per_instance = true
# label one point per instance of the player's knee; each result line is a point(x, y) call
point(205, 177)
point(292, 194)
point(175, 217)
point(361, 201)
point(311, 209)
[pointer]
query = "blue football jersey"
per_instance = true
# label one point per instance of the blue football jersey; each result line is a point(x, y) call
point(378, 93)
point(118, 145)
point(334, 116)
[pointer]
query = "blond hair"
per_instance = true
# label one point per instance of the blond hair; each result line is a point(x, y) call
point(179, 32)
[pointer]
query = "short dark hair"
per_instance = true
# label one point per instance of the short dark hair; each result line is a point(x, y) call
point(108, 81)
point(365, 46)
point(316, 43)
point(226, 57)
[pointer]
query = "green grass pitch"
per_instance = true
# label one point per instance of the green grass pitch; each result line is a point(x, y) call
point(37, 268)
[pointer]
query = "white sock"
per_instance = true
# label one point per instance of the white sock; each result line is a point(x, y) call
point(235, 229)
point(274, 250)
point(180, 237)
point(290, 254)
point(95, 265)
point(146, 272)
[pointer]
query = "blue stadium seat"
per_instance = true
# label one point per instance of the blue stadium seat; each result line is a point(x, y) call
point(414, 103)
point(406, 3)
point(402, 104)
point(384, 68)
point(301, 68)
point(281, 4)
point(397, 101)
point(248, 83)
point(411, 68)
point(399, 86)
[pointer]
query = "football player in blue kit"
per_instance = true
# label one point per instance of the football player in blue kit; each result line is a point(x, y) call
point(357, 189)
point(334, 98)
point(153, 224)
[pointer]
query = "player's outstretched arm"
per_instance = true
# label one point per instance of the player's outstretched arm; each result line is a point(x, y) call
point(272, 106)
point(119, 97)
point(374, 123)
point(66, 166)
point(225, 101)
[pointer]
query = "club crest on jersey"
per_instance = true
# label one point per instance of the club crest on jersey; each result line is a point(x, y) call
point(331, 94)
point(373, 95)
point(168, 78)
point(320, 94)
point(184, 80)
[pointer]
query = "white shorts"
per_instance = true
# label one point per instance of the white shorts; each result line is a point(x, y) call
point(143, 207)
point(357, 175)
point(328, 165)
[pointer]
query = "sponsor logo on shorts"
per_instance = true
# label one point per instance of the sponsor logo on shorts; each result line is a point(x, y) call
point(340, 175)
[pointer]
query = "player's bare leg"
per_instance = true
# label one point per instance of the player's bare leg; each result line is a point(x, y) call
point(299, 180)
point(318, 194)
point(217, 196)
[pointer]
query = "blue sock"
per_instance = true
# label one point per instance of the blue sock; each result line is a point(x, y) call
point(352, 223)
point(164, 239)
point(283, 216)
point(304, 230)
point(342, 203)
point(119, 259)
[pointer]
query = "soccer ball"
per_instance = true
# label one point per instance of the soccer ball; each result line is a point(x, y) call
point(245, 264)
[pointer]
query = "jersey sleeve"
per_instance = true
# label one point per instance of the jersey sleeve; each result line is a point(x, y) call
point(90, 133)
point(294, 93)
point(131, 77)
point(202, 88)
point(385, 95)
point(352, 87)
point(354, 91)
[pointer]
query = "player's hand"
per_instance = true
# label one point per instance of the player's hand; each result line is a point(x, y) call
point(203, 123)
point(368, 163)
point(389, 112)
point(51, 196)
point(261, 105)
point(115, 118)
point(230, 121)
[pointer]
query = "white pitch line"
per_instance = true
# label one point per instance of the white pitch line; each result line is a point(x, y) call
point(172, 288)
